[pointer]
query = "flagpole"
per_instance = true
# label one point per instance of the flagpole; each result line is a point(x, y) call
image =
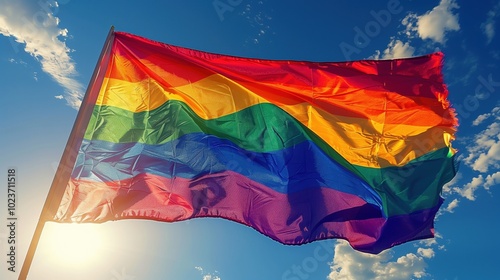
point(70, 152)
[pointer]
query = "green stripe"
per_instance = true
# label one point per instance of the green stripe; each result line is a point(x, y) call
point(415, 186)
point(259, 128)
point(266, 127)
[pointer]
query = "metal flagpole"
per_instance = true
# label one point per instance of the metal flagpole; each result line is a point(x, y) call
point(70, 152)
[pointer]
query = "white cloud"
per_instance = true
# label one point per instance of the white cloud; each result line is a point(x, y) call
point(484, 152)
point(491, 180)
point(468, 191)
point(489, 30)
point(38, 30)
point(12, 60)
point(470, 188)
point(452, 205)
point(351, 264)
point(426, 252)
point(211, 277)
point(207, 276)
point(448, 187)
point(432, 241)
point(489, 158)
point(450, 208)
point(495, 113)
point(434, 24)
point(395, 49)
point(480, 119)
point(488, 26)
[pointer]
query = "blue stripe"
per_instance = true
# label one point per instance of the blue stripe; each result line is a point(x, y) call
point(293, 169)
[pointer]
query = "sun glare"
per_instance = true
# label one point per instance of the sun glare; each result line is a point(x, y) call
point(72, 244)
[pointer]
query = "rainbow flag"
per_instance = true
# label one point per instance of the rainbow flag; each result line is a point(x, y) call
point(300, 151)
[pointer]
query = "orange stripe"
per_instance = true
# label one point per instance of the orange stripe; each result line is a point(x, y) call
point(369, 87)
point(365, 142)
point(389, 108)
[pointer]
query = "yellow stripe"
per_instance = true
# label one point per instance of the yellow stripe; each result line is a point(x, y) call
point(210, 99)
point(363, 142)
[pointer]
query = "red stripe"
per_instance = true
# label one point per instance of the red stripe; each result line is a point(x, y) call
point(419, 76)
point(384, 91)
point(402, 74)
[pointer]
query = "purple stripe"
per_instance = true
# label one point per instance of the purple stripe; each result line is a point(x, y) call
point(295, 218)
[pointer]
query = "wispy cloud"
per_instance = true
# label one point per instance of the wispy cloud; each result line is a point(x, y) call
point(351, 264)
point(432, 241)
point(434, 24)
point(450, 208)
point(12, 60)
point(448, 187)
point(207, 276)
point(469, 189)
point(259, 18)
point(481, 118)
point(488, 26)
point(452, 205)
point(34, 25)
point(491, 180)
point(211, 277)
point(484, 152)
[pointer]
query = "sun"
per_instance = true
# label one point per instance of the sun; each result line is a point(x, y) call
point(72, 245)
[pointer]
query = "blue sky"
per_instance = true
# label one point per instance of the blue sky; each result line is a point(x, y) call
point(48, 51)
